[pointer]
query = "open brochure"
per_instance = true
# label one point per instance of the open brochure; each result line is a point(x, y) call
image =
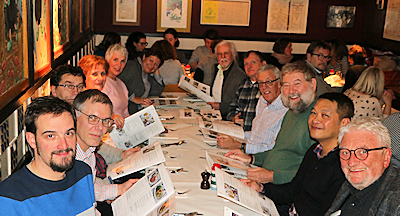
point(137, 128)
point(165, 97)
point(236, 191)
point(152, 195)
point(236, 167)
point(199, 89)
point(215, 128)
point(147, 156)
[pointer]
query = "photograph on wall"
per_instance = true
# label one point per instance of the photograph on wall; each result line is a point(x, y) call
point(341, 16)
point(174, 14)
point(391, 30)
point(287, 16)
point(12, 45)
point(41, 36)
point(230, 12)
point(126, 12)
point(60, 26)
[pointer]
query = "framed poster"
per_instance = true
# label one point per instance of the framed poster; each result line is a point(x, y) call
point(60, 26)
point(126, 12)
point(340, 16)
point(175, 14)
point(390, 29)
point(76, 21)
point(41, 36)
point(13, 50)
point(226, 12)
point(288, 16)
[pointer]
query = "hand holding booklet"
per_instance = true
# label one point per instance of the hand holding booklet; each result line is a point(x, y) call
point(152, 195)
point(230, 165)
point(194, 87)
point(137, 128)
point(218, 127)
point(148, 156)
point(236, 191)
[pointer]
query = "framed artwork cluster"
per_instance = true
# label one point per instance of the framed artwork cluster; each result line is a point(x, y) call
point(55, 25)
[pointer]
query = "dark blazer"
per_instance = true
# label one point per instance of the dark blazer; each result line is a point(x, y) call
point(386, 201)
point(231, 83)
point(132, 77)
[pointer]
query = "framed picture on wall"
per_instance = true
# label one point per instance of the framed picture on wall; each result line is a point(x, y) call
point(126, 12)
point(225, 12)
point(175, 14)
point(87, 16)
point(13, 50)
point(41, 37)
point(341, 16)
point(60, 26)
point(76, 20)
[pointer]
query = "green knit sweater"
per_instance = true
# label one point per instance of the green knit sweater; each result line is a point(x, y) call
point(291, 144)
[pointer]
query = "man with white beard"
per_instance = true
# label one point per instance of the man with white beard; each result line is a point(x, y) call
point(280, 164)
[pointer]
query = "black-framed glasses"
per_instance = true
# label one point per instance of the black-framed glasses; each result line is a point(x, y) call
point(322, 57)
point(268, 83)
point(360, 153)
point(70, 87)
point(144, 43)
point(94, 120)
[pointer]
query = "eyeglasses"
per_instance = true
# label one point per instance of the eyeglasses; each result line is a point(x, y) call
point(144, 43)
point(322, 57)
point(268, 83)
point(79, 87)
point(94, 120)
point(360, 153)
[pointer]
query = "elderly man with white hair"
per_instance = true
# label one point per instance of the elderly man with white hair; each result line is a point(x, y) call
point(373, 184)
point(228, 77)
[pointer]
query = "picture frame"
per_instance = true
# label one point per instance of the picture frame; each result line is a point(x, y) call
point(340, 16)
point(87, 16)
point(14, 70)
point(61, 28)
point(41, 37)
point(76, 20)
point(225, 12)
point(175, 14)
point(126, 12)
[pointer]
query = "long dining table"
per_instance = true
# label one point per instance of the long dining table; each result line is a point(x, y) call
point(191, 157)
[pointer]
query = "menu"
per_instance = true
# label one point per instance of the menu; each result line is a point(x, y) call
point(232, 166)
point(196, 88)
point(148, 156)
point(152, 195)
point(137, 128)
point(236, 191)
point(215, 128)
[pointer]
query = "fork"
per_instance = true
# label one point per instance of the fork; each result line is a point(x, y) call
point(173, 157)
point(181, 193)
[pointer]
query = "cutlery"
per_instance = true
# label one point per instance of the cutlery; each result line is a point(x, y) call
point(181, 193)
point(173, 157)
point(169, 144)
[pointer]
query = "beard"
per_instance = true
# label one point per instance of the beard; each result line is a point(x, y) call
point(301, 106)
point(66, 164)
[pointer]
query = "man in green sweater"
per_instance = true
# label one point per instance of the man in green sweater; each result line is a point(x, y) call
point(280, 164)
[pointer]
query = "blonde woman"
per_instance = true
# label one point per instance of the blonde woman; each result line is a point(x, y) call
point(368, 94)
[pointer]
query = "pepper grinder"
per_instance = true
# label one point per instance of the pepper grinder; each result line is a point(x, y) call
point(205, 184)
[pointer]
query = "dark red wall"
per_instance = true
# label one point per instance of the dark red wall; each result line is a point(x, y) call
point(367, 28)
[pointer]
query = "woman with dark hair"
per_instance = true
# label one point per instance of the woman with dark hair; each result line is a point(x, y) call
point(109, 39)
point(201, 51)
point(171, 70)
point(282, 53)
point(171, 35)
point(339, 60)
point(135, 45)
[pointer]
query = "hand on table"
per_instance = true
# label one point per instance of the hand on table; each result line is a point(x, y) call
point(256, 186)
point(237, 119)
point(226, 142)
point(260, 175)
point(122, 188)
point(118, 121)
point(238, 155)
point(215, 105)
point(143, 101)
point(125, 154)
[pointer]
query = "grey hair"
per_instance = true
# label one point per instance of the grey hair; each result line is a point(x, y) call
point(298, 66)
point(270, 67)
point(116, 48)
point(231, 46)
point(371, 124)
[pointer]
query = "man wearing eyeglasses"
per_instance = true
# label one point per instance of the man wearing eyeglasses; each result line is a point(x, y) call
point(66, 82)
point(242, 109)
point(318, 56)
point(373, 184)
point(93, 114)
point(270, 112)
